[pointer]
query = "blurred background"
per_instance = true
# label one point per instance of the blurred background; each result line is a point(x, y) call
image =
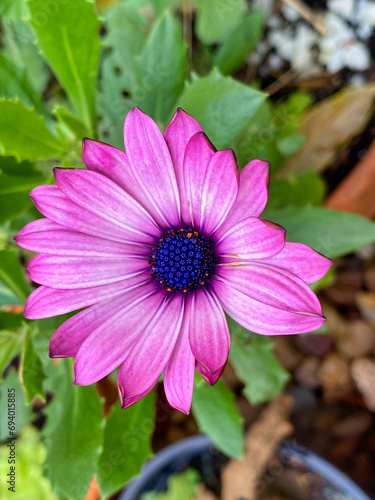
point(287, 81)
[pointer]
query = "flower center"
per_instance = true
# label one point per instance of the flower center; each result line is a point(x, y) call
point(183, 260)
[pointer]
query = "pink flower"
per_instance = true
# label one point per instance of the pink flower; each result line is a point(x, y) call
point(156, 245)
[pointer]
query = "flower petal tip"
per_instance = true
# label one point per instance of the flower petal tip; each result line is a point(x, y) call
point(186, 411)
point(210, 377)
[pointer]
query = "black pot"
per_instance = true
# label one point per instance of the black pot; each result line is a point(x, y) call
point(188, 452)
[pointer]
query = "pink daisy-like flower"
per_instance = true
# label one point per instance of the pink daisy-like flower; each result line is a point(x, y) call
point(156, 244)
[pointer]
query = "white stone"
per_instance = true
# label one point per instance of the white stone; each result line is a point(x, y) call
point(336, 62)
point(367, 12)
point(344, 8)
point(356, 80)
point(275, 62)
point(290, 14)
point(283, 43)
point(356, 56)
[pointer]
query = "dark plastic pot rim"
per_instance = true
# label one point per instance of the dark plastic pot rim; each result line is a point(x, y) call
point(197, 444)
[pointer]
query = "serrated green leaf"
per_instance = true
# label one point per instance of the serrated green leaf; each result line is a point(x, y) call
point(73, 435)
point(10, 347)
point(11, 274)
point(23, 412)
point(32, 373)
point(24, 134)
point(9, 166)
point(240, 42)
point(162, 70)
point(256, 366)
point(222, 106)
point(14, 195)
point(68, 35)
point(14, 83)
point(126, 446)
point(329, 232)
point(217, 415)
point(216, 18)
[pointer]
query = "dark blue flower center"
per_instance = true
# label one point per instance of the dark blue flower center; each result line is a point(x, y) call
point(183, 260)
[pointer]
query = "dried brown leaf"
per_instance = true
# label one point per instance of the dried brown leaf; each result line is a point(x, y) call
point(331, 125)
point(240, 477)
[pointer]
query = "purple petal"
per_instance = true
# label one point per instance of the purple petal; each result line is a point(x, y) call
point(252, 238)
point(108, 161)
point(52, 203)
point(179, 372)
point(252, 194)
point(46, 236)
point(102, 197)
point(70, 336)
point(300, 260)
point(267, 300)
point(198, 154)
point(208, 376)
point(110, 343)
point(151, 165)
point(46, 302)
point(77, 272)
point(150, 354)
point(177, 135)
point(209, 334)
point(220, 189)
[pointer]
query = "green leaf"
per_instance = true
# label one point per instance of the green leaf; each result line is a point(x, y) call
point(11, 274)
point(73, 435)
point(30, 483)
point(180, 487)
point(32, 373)
point(270, 124)
point(18, 47)
point(14, 195)
point(329, 232)
point(162, 69)
point(256, 365)
point(14, 83)
point(217, 415)
point(297, 191)
point(24, 134)
point(161, 6)
point(10, 347)
point(330, 126)
point(240, 42)
point(290, 144)
point(222, 106)
point(127, 29)
point(9, 166)
point(216, 18)
point(75, 126)
point(24, 414)
point(127, 437)
point(68, 36)
point(14, 9)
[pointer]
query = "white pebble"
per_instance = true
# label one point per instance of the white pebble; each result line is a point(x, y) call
point(356, 56)
point(344, 8)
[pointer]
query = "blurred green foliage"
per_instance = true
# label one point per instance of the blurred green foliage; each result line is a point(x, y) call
point(67, 72)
